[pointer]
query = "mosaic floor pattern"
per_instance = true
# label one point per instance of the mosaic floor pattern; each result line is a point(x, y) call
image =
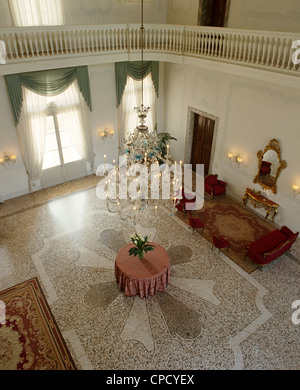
point(213, 315)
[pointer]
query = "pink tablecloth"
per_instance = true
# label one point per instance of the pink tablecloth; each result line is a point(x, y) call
point(143, 277)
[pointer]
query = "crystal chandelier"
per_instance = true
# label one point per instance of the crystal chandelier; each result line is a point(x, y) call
point(142, 147)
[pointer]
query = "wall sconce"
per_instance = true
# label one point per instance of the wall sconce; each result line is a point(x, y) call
point(235, 158)
point(8, 159)
point(296, 190)
point(106, 133)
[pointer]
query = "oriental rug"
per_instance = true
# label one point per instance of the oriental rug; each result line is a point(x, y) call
point(29, 336)
point(238, 225)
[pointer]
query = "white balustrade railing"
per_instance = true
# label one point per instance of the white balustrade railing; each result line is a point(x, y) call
point(268, 49)
point(255, 48)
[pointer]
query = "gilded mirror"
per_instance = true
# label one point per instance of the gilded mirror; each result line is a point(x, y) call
point(269, 166)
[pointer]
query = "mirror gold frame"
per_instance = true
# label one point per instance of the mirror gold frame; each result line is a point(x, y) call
point(271, 184)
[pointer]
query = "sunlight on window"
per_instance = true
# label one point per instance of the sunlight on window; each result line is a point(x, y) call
point(64, 126)
point(57, 139)
point(37, 12)
point(51, 156)
point(68, 150)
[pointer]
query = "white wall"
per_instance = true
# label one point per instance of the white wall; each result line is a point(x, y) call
point(13, 179)
point(5, 16)
point(104, 114)
point(183, 12)
point(86, 12)
point(271, 15)
point(250, 113)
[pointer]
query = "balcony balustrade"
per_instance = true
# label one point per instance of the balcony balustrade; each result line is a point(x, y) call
point(260, 49)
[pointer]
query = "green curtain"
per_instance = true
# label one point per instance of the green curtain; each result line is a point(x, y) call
point(47, 83)
point(137, 72)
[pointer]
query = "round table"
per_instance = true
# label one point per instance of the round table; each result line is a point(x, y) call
point(143, 277)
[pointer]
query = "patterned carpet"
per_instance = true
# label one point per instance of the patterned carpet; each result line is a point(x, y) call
point(29, 337)
point(238, 225)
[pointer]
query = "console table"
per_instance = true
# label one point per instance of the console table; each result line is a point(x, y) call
point(143, 277)
point(260, 201)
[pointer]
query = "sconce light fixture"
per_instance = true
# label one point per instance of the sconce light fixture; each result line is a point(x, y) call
point(235, 158)
point(8, 159)
point(106, 133)
point(296, 190)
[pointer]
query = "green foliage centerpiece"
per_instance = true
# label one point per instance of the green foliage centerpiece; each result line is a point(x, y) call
point(141, 246)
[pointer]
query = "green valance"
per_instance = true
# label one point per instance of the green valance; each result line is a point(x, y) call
point(46, 83)
point(137, 72)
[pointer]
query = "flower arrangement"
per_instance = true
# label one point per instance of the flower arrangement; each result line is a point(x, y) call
point(141, 246)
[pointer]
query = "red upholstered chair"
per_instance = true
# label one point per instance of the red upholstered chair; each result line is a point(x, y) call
point(180, 206)
point(265, 168)
point(219, 242)
point(213, 186)
point(186, 198)
point(195, 223)
point(189, 198)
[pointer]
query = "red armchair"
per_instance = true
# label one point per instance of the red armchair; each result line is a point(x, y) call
point(195, 223)
point(186, 198)
point(213, 186)
point(219, 242)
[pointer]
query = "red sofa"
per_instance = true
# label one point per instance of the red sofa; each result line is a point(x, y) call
point(271, 246)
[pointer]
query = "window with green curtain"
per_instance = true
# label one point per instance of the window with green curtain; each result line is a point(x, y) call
point(46, 83)
point(136, 70)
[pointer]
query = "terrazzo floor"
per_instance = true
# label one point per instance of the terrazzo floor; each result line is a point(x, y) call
point(213, 315)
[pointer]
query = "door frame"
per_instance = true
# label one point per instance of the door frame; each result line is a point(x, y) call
point(190, 135)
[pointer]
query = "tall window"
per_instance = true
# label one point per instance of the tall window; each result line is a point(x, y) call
point(132, 98)
point(64, 139)
point(65, 127)
point(59, 149)
point(36, 12)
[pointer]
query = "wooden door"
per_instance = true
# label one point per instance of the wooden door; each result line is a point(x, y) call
point(218, 13)
point(213, 13)
point(202, 142)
